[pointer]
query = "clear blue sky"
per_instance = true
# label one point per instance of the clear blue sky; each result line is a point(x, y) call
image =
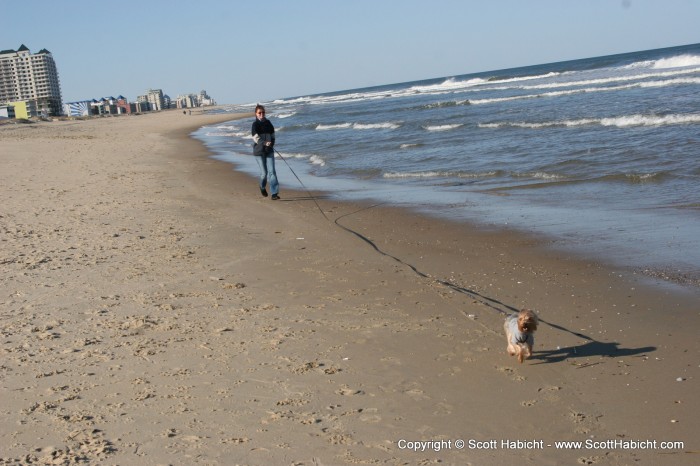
point(248, 51)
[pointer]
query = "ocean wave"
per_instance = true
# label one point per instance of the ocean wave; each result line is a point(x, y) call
point(285, 115)
point(515, 79)
point(663, 83)
point(673, 66)
point(454, 85)
point(322, 127)
point(608, 80)
point(635, 80)
point(440, 174)
point(376, 125)
point(317, 160)
point(441, 104)
point(644, 177)
point(313, 158)
point(443, 127)
point(680, 61)
point(408, 146)
point(541, 175)
point(651, 120)
point(621, 122)
point(634, 178)
point(236, 134)
point(448, 84)
point(554, 180)
point(551, 94)
point(360, 126)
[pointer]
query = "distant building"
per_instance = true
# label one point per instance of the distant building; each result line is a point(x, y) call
point(154, 97)
point(7, 111)
point(24, 110)
point(124, 106)
point(204, 99)
point(194, 100)
point(81, 108)
point(30, 78)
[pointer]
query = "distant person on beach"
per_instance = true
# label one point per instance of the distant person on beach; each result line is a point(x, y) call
point(264, 136)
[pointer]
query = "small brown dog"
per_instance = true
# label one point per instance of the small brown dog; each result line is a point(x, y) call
point(520, 329)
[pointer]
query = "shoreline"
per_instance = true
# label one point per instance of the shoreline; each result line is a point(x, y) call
point(602, 249)
point(160, 310)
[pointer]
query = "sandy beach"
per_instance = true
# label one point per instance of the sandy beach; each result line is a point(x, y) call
point(156, 310)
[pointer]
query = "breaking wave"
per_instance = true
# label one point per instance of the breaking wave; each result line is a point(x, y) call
point(681, 61)
point(440, 174)
point(620, 122)
point(443, 127)
point(360, 126)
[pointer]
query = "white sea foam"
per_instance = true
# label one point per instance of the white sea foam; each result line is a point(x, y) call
point(329, 127)
point(442, 127)
point(285, 115)
point(641, 178)
point(376, 126)
point(680, 61)
point(439, 174)
point(670, 82)
point(313, 158)
point(541, 176)
point(236, 134)
point(360, 126)
point(454, 85)
point(407, 146)
point(620, 122)
point(317, 160)
point(449, 84)
point(651, 120)
point(608, 80)
point(662, 83)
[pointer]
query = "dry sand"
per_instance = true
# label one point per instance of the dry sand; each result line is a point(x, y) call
point(156, 310)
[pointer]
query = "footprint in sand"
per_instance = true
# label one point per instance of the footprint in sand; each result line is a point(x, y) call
point(346, 391)
point(511, 372)
point(582, 421)
point(549, 393)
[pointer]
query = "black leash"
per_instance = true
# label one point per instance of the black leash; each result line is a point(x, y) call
point(485, 300)
point(313, 198)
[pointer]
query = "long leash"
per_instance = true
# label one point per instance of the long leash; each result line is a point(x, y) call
point(475, 295)
point(313, 198)
point(485, 300)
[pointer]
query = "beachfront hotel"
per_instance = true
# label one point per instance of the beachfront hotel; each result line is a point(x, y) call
point(29, 83)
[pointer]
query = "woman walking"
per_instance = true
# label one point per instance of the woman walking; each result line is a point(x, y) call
point(264, 136)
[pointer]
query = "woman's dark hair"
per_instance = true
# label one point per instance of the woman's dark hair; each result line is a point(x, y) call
point(259, 107)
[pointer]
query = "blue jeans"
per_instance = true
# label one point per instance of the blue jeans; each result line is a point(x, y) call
point(267, 172)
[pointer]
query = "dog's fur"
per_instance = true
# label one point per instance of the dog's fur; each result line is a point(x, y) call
point(520, 329)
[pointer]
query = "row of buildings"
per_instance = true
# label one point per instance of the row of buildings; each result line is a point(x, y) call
point(29, 87)
point(153, 99)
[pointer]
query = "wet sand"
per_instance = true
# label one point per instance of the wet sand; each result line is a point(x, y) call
point(157, 310)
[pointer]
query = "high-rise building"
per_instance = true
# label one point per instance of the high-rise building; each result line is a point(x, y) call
point(30, 78)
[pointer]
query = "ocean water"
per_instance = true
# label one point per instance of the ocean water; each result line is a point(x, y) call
point(601, 156)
